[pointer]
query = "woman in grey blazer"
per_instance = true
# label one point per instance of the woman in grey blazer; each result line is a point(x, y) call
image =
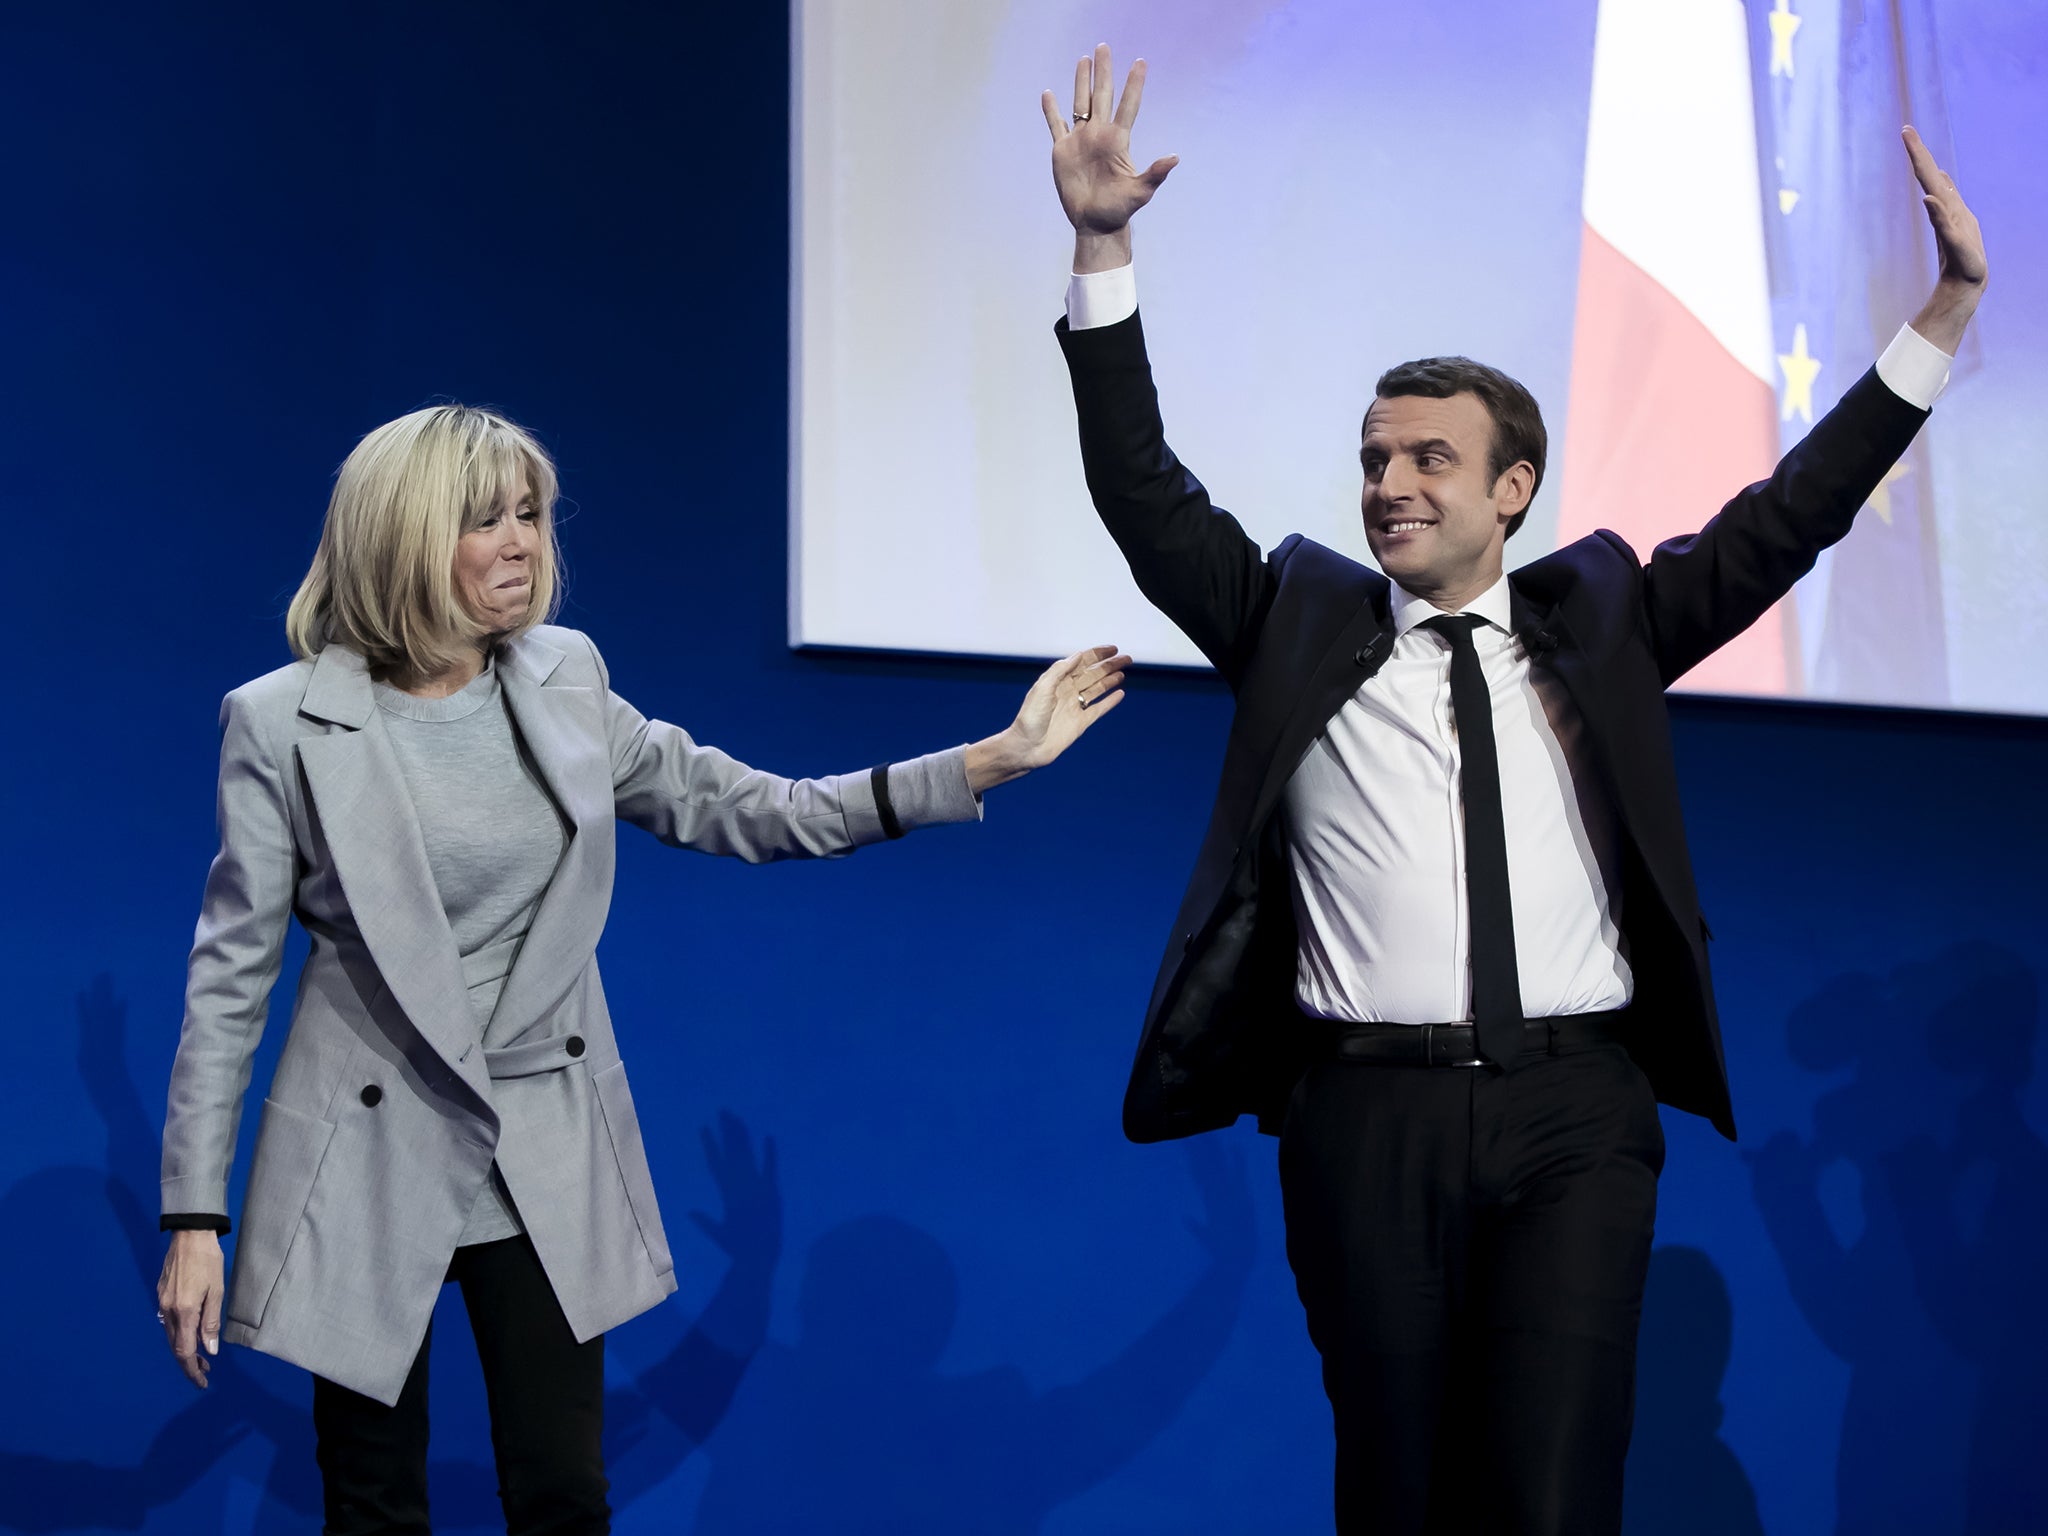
point(431, 789)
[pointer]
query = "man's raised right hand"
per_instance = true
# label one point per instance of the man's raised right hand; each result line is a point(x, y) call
point(1099, 186)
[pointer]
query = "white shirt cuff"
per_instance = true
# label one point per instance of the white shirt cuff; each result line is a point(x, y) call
point(1096, 299)
point(1913, 368)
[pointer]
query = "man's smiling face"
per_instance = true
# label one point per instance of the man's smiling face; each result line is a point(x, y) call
point(1435, 514)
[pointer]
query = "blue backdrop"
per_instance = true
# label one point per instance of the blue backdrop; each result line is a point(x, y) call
point(957, 1300)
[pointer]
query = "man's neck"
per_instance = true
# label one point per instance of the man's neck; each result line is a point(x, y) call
point(1454, 597)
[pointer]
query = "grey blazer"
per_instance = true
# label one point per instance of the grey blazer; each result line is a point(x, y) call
point(387, 1110)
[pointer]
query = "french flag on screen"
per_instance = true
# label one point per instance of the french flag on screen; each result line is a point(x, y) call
point(1746, 254)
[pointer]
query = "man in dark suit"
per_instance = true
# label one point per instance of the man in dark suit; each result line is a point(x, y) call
point(1443, 935)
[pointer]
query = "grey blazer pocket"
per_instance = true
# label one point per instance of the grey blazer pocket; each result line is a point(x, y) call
point(615, 1101)
point(289, 1149)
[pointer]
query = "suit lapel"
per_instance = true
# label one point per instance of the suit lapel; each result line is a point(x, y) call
point(563, 728)
point(367, 821)
point(1357, 649)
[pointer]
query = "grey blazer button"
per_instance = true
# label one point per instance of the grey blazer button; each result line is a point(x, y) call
point(573, 1045)
point(1364, 657)
point(372, 1096)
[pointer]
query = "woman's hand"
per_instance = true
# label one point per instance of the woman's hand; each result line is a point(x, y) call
point(1069, 696)
point(188, 1299)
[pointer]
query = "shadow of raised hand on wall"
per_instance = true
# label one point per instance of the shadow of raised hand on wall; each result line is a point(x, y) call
point(658, 1417)
point(105, 1434)
point(855, 1428)
point(1828, 1207)
point(100, 1431)
point(1683, 1480)
point(1974, 1213)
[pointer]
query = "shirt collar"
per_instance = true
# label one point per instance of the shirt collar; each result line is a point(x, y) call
point(1409, 610)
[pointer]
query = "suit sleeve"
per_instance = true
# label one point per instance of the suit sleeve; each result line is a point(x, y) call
point(234, 962)
point(1191, 559)
point(1702, 590)
point(693, 796)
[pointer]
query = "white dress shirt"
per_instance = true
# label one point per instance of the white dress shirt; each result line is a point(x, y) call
point(1375, 829)
point(1375, 824)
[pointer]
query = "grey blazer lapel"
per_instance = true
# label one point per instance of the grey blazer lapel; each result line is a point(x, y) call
point(563, 728)
point(370, 829)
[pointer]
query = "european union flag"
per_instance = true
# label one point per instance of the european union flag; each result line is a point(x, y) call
point(1851, 259)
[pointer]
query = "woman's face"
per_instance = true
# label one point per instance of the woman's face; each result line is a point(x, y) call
point(494, 562)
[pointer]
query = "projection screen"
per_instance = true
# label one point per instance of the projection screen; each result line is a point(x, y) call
point(1686, 228)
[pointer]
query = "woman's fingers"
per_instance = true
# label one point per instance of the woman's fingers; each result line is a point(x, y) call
point(1098, 684)
point(188, 1300)
point(182, 1323)
point(1084, 87)
point(1093, 672)
point(1104, 670)
point(1099, 103)
point(1100, 707)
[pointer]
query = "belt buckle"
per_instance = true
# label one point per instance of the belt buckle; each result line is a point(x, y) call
point(1429, 1053)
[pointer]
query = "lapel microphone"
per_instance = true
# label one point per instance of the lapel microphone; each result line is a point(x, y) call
point(1369, 654)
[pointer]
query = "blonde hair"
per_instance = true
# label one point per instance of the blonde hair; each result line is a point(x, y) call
point(382, 582)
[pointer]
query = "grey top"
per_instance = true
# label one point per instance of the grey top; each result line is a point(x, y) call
point(493, 837)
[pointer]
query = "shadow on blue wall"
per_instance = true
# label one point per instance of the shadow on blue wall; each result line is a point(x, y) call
point(852, 1428)
point(1974, 1214)
point(1913, 1231)
point(1683, 1480)
point(102, 1220)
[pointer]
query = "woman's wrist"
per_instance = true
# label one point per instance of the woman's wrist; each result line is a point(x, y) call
point(996, 760)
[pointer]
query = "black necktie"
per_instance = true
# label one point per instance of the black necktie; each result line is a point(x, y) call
point(1496, 984)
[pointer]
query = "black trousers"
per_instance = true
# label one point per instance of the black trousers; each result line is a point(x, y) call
point(546, 1395)
point(1471, 1247)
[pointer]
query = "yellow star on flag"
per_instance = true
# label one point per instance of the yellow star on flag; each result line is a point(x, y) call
point(1801, 367)
point(1787, 199)
point(1783, 25)
point(1881, 499)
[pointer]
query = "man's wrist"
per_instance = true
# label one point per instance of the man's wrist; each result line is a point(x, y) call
point(1946, 314)
point(1099, 251)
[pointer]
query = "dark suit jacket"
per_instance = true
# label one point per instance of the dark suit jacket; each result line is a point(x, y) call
point(1295, 633)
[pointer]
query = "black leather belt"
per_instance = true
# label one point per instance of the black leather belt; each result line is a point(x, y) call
point(1457, 1045)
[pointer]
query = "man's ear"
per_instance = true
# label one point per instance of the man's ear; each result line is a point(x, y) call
point(1514, 489)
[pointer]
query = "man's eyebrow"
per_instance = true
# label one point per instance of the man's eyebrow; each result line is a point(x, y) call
point(1439, 445)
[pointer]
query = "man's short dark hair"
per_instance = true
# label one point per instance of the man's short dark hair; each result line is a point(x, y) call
point(1517, 423)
